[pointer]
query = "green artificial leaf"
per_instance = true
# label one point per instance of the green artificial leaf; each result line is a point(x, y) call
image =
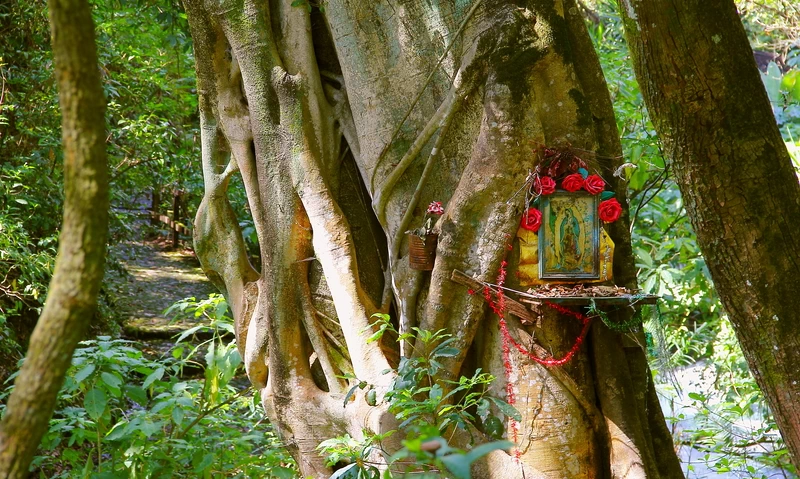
point(583, 172)
point(95, 403)
point(606, 195)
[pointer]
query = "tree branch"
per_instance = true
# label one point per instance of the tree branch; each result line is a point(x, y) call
point(82, 243)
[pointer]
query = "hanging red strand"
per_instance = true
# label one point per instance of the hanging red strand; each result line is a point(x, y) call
point(499, 308)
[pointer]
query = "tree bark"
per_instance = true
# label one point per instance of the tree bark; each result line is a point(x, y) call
point(73, 290)
point(344, 123)
point(704, 94)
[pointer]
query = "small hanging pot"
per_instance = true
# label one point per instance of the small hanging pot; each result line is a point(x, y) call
point(422, 251)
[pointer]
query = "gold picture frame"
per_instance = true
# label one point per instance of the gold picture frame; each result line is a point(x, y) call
point(569, 237)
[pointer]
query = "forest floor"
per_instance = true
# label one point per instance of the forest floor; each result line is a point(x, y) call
point(157, 277)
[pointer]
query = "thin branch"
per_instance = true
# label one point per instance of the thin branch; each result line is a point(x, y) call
point(209, 411)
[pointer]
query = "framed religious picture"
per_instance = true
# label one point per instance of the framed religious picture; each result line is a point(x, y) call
point(569, 237)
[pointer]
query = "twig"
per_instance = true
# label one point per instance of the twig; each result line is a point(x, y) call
point(209, 411)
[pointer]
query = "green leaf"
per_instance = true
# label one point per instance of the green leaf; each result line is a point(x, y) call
point(280, 472)
point(136, 394)
point(84, 373)
point(458, 465)
point(493, 427)
point(177, 415)
point(345, 472)
point(697, 396)
point(121, 430)
point(583, 172)
point(111, 380)
point(606, 195)
point(21, 201)
point(153, 377)
point(207, 460)
point(95, 403)
point(349, 394)
point(447, 353)
point(485, 449)
point(507, 409)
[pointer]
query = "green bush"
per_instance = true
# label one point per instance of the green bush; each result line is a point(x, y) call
point(121, 414)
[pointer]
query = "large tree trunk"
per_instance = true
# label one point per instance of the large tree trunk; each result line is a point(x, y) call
point(703, 91)
point(71, 299)
point(344, 124)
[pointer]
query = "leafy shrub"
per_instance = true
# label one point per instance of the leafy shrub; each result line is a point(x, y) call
point(121, 414)
point(429, 409)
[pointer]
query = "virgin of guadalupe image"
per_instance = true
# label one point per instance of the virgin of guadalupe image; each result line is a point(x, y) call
point(569, 250)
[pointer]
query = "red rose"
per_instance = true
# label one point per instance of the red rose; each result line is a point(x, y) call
point(572, 182)
point(544, 186)
point(531, 220)
point(594, 184)
point(609, 210)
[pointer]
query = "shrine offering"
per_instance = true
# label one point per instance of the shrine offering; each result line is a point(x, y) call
point(422, 241)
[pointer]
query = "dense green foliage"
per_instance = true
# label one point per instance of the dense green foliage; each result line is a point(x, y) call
point(122, 414)
point(148, 78)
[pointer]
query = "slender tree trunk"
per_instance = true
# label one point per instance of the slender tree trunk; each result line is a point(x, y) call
point(73, 290)
point(709, 107)
point(344, 124)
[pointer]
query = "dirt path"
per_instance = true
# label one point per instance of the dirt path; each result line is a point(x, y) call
point(158, 278)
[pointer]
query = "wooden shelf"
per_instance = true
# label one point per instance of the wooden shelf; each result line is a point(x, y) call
point(624, 300)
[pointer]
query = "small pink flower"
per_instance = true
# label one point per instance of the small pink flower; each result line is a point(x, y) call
point(435, 208)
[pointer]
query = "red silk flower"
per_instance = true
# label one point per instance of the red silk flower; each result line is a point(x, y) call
point(594, 184)
point(531, 220)
point(609, 210)
point(544, 185)
point(572, 182)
